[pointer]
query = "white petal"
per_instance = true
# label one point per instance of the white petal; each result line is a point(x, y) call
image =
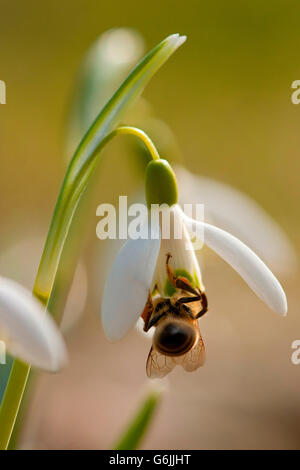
point(30, 333)
point(233, 210)
point(183, 256)
point(250, 267)
point(127, 286)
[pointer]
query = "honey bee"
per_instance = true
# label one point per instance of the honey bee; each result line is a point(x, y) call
point(177, 339)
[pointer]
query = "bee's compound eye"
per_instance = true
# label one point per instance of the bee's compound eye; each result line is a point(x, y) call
point(174, 338)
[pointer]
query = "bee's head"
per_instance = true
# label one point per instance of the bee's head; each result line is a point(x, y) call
point(174, 337)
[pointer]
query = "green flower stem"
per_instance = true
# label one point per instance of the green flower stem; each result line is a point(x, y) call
point(20, 371)
point(75, 182)
point(67, 203)
point(11, 400)
point(137, 133)
point(136, 429)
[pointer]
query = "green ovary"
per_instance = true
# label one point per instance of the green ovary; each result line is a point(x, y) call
point(160, 183)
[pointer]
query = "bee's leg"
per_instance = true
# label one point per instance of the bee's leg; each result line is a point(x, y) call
point(155, 319)
point(179, 282)
point(184, 284)
point(187, 300)
point(170, 272)
point(202, 297)
point(147, 312)
point(204, 306)
point(186, 310)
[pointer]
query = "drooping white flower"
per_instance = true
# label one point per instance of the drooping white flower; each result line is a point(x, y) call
point(29, 333)
point(140, 265)
point(229, 209)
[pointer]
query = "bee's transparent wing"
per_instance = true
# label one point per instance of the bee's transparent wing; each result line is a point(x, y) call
point(194, 358)
point(158, 365)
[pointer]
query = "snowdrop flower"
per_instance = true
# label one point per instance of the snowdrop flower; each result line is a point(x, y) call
point(28, 332)
point(128, 270)
point(159, 278)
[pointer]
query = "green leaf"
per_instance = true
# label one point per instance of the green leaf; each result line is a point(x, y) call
point(76, 179)
point(105, 65)
point(87, 156)
point(136, 429)
point(4, 374)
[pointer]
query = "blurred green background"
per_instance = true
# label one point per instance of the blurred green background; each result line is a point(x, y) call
point(227, 96)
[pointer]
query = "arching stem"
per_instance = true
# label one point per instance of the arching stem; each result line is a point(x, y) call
point(67, 203)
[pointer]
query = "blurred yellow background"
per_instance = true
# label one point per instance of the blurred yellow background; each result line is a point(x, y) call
point(226, 94)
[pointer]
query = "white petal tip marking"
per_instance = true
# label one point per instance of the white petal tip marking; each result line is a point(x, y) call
point(177, 39)
point(181, 40)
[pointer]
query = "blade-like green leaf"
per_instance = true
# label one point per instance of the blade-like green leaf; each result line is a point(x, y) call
point(136, 429)
point(87, 156)
point(75, 182)
point(4, 374)
point(104, 67)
